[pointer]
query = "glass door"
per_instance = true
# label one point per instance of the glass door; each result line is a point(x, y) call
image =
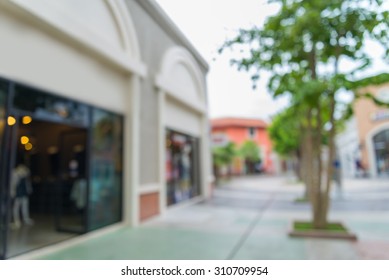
point(3, 193)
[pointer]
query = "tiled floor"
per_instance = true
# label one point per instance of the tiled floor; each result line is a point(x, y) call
point(249, 219)
point(31, 237)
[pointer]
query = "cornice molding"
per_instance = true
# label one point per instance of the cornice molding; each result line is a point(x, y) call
point(163, 20)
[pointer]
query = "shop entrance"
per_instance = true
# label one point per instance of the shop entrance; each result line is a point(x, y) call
point(47, 184)
point(182, 167)
point(61, 168)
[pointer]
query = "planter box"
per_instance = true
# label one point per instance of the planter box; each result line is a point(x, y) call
point(330, 233)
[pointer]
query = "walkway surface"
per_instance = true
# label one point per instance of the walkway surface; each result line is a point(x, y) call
point(248, 218)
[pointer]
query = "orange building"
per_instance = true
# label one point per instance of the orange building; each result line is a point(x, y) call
point(240, 130)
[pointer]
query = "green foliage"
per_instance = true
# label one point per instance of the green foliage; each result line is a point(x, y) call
point(303, 46)
point(368, 81)
point(223, 156)
point(285, 132)
point(311, 34)
point(250, 151)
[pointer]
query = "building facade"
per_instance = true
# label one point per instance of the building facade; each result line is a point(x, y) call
point(239, 131)
point(103, 119)
point(363, 147)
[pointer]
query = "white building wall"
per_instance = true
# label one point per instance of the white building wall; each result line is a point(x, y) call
point(348, 151)
point(181, 119)
point(68, 49)
point(31, 54)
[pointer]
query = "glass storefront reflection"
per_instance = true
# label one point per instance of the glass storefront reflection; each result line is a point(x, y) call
point(106, 169)
point(46, 106)
point(48, 165)
point(181, 167)
point(3, 212)
point(61, 168)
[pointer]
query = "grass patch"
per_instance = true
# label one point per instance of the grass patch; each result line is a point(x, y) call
point(303, 229)
point(301, 200)
point(308, 226)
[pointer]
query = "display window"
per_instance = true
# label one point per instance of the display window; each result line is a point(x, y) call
point(182, 172)
point(61, 168)
point(3, 196)
point(106, 169)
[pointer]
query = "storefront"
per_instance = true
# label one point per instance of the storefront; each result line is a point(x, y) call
point(69, 85)
point(88, 105)
point(184, 130)
point(62, 168)
point(182, 167)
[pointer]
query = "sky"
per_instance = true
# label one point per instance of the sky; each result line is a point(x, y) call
point(206, 24)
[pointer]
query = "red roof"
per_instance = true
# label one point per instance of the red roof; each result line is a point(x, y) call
point(237, 122)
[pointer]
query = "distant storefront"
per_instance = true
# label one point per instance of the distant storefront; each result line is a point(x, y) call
point(242, 130)
point(101, 123)
point(182, 167)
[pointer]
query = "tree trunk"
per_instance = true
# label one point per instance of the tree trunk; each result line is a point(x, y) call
point(308, 160)
point(303, 162)
point(331, 152)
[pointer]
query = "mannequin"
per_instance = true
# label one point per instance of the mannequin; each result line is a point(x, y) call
point(185, 171)
point(20, 190)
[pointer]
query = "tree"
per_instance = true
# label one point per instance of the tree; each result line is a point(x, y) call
point(303, 46)
point(286, 137)
point(223, 156)
point(284, 131)
point(250, 153)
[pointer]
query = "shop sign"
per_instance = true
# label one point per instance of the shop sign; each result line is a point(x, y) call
point(219, 140)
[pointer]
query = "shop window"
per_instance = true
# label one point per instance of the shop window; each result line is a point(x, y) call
point(3, 218)
point(71, 155)
point(3, 95)
point(182, 172)
point(106, 169)
point(251, 131)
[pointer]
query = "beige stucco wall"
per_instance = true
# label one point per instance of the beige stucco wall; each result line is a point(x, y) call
point(32, 53)
point(58, 48)
point(176, 104)
point(71, 51)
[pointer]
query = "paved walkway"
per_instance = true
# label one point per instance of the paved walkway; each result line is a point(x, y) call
point(249, 218)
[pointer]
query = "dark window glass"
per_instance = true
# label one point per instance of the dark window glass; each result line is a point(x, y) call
point(106, 169)
point(3, 123)
point(182, 172)
point(50, 107)
point(252, 132)
point(48, 186)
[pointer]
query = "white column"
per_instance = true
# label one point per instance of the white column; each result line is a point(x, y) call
point(205, 158)
point(131, 154)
